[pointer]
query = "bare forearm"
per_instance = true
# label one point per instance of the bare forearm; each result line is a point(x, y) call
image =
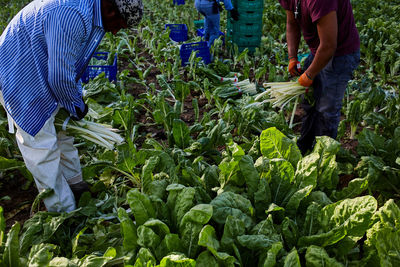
point(327, 32)
point(293, 34)
point(323, 55)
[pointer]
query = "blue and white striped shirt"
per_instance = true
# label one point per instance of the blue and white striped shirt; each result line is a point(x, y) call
point(43, 53)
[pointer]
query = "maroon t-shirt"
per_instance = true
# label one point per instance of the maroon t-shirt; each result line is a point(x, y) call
point(348, 40)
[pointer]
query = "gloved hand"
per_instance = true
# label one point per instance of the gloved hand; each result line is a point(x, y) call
point(234, 14)
point(305, 80)
point(80, 114)
point(294, 67)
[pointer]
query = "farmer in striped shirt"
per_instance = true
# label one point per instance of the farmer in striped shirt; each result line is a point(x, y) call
point(43, 53)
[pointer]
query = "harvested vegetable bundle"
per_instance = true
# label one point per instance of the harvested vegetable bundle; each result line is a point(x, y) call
point(236, 89)
point(282, 93)
point(101, 134)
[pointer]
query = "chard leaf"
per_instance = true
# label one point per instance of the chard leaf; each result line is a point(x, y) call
point(147, 173)
point(183, 203)
point(11, 247)
point(262, 198)
point(144, 257)
point(181, 133)
point(176, 259)
point(354, 188)
point(328, 174)
point(232, 229)
point(159, 227)
point(171, 243)
point(290, 232)
point(317, 256)
point(353, 214)
point(206, 259)
point(148, 238)
point(292, 259)
point(280, 176)
point(296, 198)
point(200, 214)
point(128, 231)
point(369, 143)
point(270, 259)
point(307, 171)
point(229, 203)
point(256, 242)
point(349, 217)
point(383, 239)
point(208, 239)
point(191, 225)
point(40, 255)
point(141, 206)
point(274, 144)
point(61, 262)
point(250, 174)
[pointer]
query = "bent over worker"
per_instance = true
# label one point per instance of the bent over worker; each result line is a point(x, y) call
point(210, 9)
point(330, 32)
point(43, 53)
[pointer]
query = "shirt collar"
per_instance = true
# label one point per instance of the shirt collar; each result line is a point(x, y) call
point(97, 13)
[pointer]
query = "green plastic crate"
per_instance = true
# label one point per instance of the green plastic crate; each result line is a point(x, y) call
point(247, 39)
point(251, 16)
point(243, 28)
point(249, 5)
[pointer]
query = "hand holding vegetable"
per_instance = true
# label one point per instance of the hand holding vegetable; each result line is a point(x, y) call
point(305, 80)
point(294, 66)
point(234, 14)
point(80, 113)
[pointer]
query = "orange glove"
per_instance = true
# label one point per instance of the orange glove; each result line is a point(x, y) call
point(294, 67)
point(305, 80)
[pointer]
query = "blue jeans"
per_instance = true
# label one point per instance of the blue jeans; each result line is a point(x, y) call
point(329, 87)
point(211, 20)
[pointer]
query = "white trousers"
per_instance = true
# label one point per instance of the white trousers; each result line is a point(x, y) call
point(53, 161)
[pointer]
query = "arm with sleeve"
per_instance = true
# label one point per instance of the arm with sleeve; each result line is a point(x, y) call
point(64, 40)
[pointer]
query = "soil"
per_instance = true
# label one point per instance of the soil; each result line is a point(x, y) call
point(18, 207)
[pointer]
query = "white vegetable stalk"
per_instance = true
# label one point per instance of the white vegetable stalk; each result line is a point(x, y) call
point(247, 87)
point(282, 93)
point(100, 134)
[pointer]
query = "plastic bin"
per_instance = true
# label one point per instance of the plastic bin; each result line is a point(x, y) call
point(202, 48)
point(178, 2)
point(245, 28)
point(200, 32)
point(248, 5)
point(93, 70)
point(250, 16)
point(247, 39)
point(178, 32)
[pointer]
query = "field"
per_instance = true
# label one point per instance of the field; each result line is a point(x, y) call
point(210, 175)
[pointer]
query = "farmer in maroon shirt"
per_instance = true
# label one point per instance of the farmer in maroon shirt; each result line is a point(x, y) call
point(330, 32)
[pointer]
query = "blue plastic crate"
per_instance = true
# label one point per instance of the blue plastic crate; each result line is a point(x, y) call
point(93, 70)
point(178, 32)
point(201, 47)
point(200, 32)
point(178, 2)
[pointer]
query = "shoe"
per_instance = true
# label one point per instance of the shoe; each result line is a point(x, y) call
point(78, 189)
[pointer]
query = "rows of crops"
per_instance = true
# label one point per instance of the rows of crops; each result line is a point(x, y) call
point(210, 176)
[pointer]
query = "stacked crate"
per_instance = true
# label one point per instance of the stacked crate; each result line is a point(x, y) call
point(247, 31)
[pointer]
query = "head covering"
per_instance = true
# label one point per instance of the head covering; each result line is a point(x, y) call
point(131, 11)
